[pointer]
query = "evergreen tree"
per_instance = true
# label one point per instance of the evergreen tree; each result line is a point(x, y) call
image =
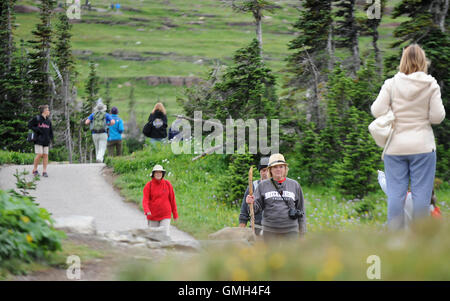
point(371, 28)
point(15, 110)
point(355, 172)
point(347, 31)
point(247, 90)
point(235, 181)
point(256, 7)
point(65, 65)
point(132, 129)
point(41, 91)
point(108, 97)
point(308, 65)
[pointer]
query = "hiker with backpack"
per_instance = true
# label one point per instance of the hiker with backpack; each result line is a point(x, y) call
point(414, 97)
point(156, 127)
point(159, 200)
point(99, 120)
point(281, 201)
point(41, 125)
point(244, 216)
point(115, 134)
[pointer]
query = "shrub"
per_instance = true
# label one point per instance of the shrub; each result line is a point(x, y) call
point(7, 157)
point(26, 231)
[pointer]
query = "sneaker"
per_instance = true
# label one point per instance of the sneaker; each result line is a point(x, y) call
point(44, 174)
point(35, 173)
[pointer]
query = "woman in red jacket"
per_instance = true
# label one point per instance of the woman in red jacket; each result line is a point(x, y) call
point(159, 200)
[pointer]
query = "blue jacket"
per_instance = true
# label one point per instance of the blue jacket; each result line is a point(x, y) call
point(115, 131)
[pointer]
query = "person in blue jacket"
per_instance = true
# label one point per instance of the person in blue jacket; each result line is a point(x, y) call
point(115, 134)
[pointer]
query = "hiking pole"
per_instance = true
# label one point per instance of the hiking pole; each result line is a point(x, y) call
point(250, 192)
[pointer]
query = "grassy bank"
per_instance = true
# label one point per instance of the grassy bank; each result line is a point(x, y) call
point(196, 185)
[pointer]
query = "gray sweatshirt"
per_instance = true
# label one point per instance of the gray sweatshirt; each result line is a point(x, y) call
point(275, 210)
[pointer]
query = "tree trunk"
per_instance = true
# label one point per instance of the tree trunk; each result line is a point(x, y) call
point(330, 48)
point(355, 45)
point(259, 31)
point(378, 58)
point(66, 97)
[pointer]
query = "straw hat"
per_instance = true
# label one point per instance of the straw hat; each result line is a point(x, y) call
point(277, 159)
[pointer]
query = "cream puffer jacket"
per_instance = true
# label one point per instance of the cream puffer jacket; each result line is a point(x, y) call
point(416, 105)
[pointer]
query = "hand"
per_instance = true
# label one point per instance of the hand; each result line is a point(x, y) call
point(242, 225)
point(148, 213)
point(250, 199)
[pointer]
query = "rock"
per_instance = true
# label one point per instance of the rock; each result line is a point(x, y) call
point(233, 233)
point(76, 224)
point(153, 245)
point(224, 243)
point(25, 9)
point(158, 234)
point(183, 245)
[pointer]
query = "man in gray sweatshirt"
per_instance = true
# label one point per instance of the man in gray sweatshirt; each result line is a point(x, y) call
point(277, 221)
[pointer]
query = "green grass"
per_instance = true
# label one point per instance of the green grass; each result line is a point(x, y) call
point(420, 255)
point(174, 50)
point(196, 185)
point(7, 157)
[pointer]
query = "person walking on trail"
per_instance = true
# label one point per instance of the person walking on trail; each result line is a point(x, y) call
point(411, 154)
point(244, 217)
point(99, 120)
point(115, 134)
point(158, 124)
point(41, 125)
point(281, 201)
point(159, 200)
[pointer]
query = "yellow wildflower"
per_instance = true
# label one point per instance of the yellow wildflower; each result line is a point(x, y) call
point(25, 219)
point(29, 238)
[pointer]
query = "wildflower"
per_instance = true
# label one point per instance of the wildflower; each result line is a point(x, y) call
point(29, 238)
point(25, 219)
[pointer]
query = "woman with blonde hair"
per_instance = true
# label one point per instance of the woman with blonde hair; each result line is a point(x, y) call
point(411, 154)
point(158, 123)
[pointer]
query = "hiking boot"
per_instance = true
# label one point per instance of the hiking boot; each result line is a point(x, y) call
point(36, 173)
point(44, 174)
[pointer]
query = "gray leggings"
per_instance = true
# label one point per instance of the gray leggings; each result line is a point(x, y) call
point(165, 223)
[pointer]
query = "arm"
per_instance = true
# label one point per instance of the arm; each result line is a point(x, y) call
point(89, 119)
point(173, 203)
point(301, 206)
point(383, 101)
point(109, 120)
point(244, 217)
point(121, 128)
point(437, 110)
point(146, 198)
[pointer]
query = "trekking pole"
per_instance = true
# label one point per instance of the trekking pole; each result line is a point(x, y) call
point(250, 192)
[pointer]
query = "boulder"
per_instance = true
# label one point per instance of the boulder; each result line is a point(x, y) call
point(76, 224)
point(189, 245)
point(158, 234)
point(25, 9)
point(233, 233)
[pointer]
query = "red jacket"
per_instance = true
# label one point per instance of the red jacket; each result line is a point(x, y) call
point(159, 199)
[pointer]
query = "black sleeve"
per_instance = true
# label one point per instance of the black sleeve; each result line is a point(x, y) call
point(51, 131)
point(165, 121)
point(151, 117)
point(33, 125)
point(244, 217)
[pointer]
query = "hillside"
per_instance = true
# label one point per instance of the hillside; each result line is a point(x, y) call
point(147, 43)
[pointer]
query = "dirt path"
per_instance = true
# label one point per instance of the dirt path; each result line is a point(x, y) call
point(87, 190)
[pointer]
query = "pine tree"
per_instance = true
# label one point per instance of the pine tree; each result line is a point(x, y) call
point(347, 31)
point(15, 110)
point(132, 129)
point(235, 181)
point(371, 28)
point(108, 97)
point(247, 90)
point(308, 65)
point(257, 8)
point(92, 89)
point(40, 58)
point(355, 170)
point(65, 65)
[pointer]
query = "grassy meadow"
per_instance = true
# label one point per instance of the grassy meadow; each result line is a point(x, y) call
point(168, 38)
